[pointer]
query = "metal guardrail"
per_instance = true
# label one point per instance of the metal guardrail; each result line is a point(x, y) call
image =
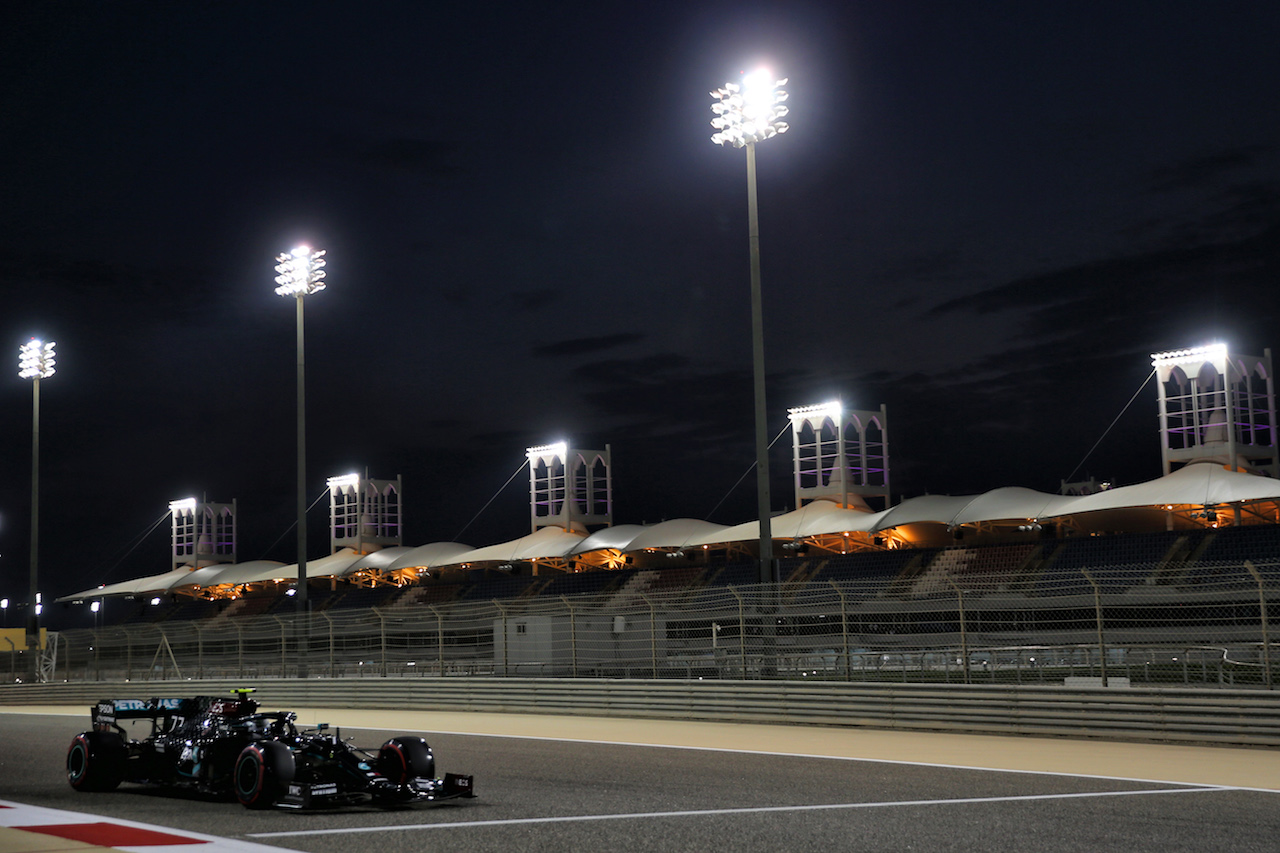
point(1215, 716)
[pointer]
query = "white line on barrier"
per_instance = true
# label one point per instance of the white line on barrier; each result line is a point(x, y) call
point(468, 824)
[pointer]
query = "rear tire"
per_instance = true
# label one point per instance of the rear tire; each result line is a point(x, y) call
point(262, 773)
point(96, 761)
point(403, 758)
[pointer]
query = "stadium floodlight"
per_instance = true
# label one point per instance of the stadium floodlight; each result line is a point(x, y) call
point(301, 273)
point(747, 113)
point(833, 409)
point(556, 449)
point(184, 505)
point(1214, 352)
point(35, 362)
point(750, 111)
point(36, 359)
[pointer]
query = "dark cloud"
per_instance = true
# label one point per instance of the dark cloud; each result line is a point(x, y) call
point(417, 156)
point(1142, 292)
point(526, 301)
point(659, 368)
point(1206, 169)
point(587, 346)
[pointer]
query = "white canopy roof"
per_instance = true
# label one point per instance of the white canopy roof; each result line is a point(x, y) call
point(332, 565)
point(378, 560)
point(1202, 485)
point(153, 584)
point(426, 556)
point(812, 519)
point(616, 538)
point(545, 543)
point(676, 533)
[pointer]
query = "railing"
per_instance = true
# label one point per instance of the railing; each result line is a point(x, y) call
point(1228, 717)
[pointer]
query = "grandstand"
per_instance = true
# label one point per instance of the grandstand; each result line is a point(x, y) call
point(1182, 558)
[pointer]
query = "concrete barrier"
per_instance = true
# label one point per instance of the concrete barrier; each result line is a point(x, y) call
point(1226, 717)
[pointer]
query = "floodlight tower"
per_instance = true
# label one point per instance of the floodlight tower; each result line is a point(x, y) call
point(364, 513)
point(301, 273)
point(35, 362)
point(745, 114)
point(1217, 405)
point(570, 488)
point(840, 454)
point(201, 531)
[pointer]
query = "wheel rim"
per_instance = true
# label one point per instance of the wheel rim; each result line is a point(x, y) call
point(248, 776)
point(77, 762)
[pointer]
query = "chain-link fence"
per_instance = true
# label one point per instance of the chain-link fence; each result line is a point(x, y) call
point(1209, 627)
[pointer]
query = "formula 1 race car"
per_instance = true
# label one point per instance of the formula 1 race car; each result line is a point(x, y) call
point(220, 746)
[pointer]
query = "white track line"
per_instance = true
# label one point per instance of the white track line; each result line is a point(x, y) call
point(858, 758)
point(717, 812)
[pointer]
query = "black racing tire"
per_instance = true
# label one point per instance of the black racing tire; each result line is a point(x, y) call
point(403, 758)
point(96, 761)
point(262, 774)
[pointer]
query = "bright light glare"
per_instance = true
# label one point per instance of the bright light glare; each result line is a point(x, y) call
point(557, 449)
point(344, 480)
point(184, 505)
point(35, 359)
point(749, 112)
point(834, 409)
point(300, 272)
point(1212, 352)
point(757, 93)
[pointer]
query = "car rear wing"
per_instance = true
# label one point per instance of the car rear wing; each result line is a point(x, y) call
point(108, 712)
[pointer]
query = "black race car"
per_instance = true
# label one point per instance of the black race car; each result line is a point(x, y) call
point(223, 746)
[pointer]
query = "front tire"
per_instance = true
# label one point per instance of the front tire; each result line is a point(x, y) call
point(262, 773)
point(96, 761)
point(403, 758)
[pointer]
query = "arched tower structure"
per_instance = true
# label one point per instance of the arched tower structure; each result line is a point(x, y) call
point(364, 514)
point(204, 534)
point(839, 454)
point(570, 488)
point(1217, 406)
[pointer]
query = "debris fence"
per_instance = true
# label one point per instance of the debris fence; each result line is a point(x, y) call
point(1106, 623)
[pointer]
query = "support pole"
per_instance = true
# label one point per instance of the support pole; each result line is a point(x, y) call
point(303, 626)
point(573, 635)
point(964, 633)
point(33, 620)
point(1097, 606)
point(757, 369)
point(1262, 605)
point(844, 627)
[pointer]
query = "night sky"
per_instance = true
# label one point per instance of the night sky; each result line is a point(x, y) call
point(985, 216)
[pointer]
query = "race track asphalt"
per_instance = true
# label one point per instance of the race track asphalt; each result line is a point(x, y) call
point(569, 783)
